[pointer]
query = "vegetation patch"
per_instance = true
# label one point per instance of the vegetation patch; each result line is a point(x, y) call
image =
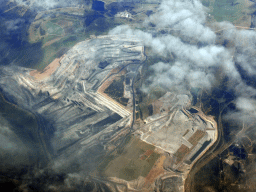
point(116, 88)
point(228, 10)
point(54, 29)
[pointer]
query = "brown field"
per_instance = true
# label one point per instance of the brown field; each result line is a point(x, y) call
point(48, 71)
point(51, 42)
point(128, 165)
point(195, 138)
point(156, 171)
point(157, 106)
point(181, 153)
point(146, 154)
point(34, 34)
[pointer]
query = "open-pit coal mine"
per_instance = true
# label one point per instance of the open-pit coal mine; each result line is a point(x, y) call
point(76, 122)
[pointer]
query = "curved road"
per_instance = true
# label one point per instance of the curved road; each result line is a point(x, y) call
point(215, 150)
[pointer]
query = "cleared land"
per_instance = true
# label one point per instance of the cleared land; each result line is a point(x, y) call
point(156, 171)
point(137, 159)
point(48, 71)
point(183, 134)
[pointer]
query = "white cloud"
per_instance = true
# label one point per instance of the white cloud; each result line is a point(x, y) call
point(184, 16)
point(191, 59)
point(199, 66)
point(48, 4)
point(246, 104)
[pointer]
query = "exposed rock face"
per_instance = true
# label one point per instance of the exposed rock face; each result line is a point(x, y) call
point(72, 115)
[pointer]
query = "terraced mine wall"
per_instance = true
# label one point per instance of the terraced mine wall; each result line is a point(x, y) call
point(75, 122)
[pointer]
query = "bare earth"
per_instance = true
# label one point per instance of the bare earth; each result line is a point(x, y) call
point(51, 42)
point(48, 71)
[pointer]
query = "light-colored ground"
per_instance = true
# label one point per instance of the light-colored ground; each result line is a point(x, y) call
point(169, 137)
point(176, 130)
point(48, 71)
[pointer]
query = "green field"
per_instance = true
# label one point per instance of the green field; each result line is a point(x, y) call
point(54, 29)
point(227, 10)
point(57, 37)
point(128, 165)
point(64, 31)
point(50, 51)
